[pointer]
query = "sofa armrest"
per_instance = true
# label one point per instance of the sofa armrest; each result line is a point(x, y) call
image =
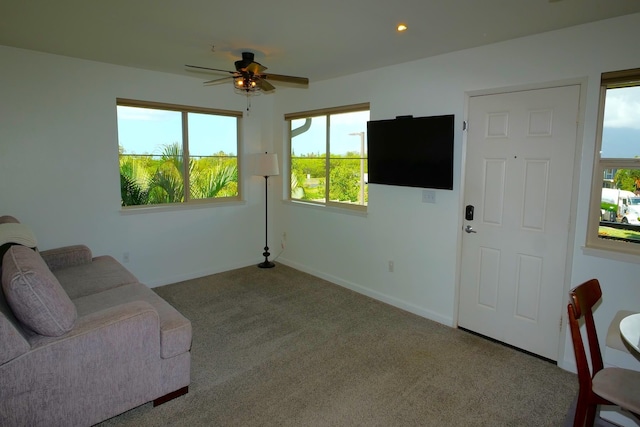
point(66, 256)
point(109, 363)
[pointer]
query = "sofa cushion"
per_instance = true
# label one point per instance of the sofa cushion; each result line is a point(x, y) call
point(101, 274)
point(34, 294)
point(175, 329)
point(66, 256)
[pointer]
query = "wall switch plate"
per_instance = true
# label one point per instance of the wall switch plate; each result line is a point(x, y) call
point(428, 196)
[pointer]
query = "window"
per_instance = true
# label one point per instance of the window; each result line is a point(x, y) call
point(614, 220)
point(175, 154)
point(328, 156)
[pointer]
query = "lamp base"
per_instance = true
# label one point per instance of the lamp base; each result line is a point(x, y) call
point(266, 264)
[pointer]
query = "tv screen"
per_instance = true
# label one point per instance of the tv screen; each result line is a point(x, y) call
point(411, 152)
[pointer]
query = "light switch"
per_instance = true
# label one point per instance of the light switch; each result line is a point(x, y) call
point(428, 196)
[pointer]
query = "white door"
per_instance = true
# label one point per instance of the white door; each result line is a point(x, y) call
point(518, 178)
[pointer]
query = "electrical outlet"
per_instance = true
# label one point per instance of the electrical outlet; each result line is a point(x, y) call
point(125, 257)
point(391, 266)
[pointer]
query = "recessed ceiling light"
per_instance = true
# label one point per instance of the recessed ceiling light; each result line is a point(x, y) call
point(401, 27)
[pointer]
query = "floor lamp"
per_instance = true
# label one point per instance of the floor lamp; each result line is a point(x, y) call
point(266, 165)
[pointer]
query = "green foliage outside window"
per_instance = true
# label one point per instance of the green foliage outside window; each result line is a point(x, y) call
point(173, 154)
point(159, 179)
point(308, 178)
point(627, 179)
point(345, 179)
point(328, 156)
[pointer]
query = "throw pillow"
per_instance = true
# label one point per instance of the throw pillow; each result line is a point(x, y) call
point(34, 294)
point(8, 219)
point(13, 232)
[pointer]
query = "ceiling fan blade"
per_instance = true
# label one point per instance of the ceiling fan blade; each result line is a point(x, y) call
point(197, 67)
point(249, 70)
point(302, 81)
point(217, 81)
point(264, 85)
point(255, 68)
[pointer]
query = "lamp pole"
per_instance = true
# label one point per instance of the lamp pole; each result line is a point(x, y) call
point(266, 166)
point(361, 134)
point(265, 254)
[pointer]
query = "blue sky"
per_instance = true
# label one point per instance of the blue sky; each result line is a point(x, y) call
point(342, 125)
point(146, 131)
point(621, 132)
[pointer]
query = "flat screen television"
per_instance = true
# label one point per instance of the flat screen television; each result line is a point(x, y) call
point(411, 151)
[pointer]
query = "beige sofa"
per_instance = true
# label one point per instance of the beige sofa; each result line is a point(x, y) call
point(81, 340)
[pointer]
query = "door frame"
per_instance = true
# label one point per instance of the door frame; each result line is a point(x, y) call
point(575, 187)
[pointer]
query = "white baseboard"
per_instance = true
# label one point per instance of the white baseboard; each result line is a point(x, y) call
point(196, 274)
point(404, 305)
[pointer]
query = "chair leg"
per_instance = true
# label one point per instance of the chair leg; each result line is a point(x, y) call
point(591, 415)
point(581, 413)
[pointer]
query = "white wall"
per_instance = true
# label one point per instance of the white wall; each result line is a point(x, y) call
point(423, 239)
point(59, 167)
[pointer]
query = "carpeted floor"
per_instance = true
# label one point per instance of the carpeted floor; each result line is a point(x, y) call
point(279, 347)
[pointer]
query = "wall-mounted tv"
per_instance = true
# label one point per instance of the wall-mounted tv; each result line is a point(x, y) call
point(411, 151)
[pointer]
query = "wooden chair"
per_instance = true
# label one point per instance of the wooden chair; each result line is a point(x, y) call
point(600, 386)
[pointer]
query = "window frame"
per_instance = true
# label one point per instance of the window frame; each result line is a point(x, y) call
point(352, 108)
point(185, 110)
point(609, 80)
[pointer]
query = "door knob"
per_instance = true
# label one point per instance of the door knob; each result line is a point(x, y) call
point(469, 229)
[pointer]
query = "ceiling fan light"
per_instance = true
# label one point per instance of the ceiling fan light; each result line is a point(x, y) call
point(246, 86)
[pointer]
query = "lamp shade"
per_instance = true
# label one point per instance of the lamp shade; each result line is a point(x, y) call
point(266, 165)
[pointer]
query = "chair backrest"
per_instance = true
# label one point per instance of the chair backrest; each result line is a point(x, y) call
point(582, 298)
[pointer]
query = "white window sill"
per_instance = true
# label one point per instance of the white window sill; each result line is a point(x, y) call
point(325, 208)
point(611, 254)
point(147, 209)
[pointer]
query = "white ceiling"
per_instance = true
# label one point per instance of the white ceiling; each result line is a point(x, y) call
point(320, 39)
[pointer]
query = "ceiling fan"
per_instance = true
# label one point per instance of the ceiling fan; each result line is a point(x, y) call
point(250, 77)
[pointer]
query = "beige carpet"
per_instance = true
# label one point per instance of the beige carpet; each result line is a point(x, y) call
point(279, 347)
